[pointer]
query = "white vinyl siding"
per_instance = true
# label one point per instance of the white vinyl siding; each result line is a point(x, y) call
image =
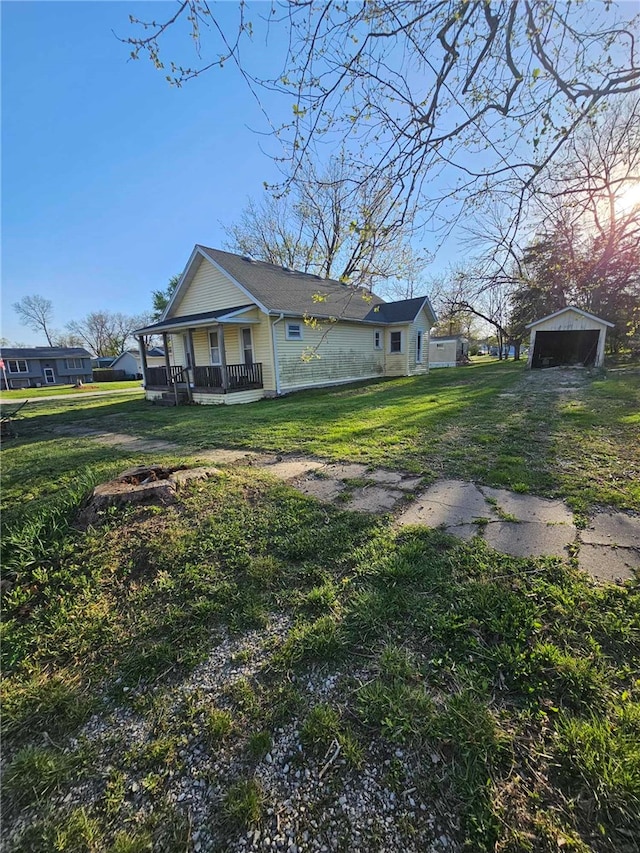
point(443, 353)
point(569, 321)
point(338, 353)
point(396, 363)
point(419, 327)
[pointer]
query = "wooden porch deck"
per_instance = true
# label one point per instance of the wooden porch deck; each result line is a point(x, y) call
point(207, 379)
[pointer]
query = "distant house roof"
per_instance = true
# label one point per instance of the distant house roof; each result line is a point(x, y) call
point(577, 311)
point(447, 338)
point(102, 361)
point(154, 352)
point(279, 290)
point(45, 352)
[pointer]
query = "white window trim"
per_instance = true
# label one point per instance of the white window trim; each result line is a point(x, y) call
point(74, 364)
point(288, 334)
point(401, 350)
point(419, 346)
point(380, 335)
point(211, 348)
point(242, 347)
point(17, 362)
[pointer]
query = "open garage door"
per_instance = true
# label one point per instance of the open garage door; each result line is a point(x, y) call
point(552, 349)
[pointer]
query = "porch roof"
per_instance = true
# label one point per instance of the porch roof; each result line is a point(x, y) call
point(187, 321)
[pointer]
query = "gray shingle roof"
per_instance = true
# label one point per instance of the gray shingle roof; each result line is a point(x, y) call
point(296, 293)
point(188, 319)
point(402, 311)
point(44, 352)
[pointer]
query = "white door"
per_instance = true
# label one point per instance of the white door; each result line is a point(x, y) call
point(49, 378)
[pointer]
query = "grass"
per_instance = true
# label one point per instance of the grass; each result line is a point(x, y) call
point(58, 390)
point(492, 423)
point(503, 693)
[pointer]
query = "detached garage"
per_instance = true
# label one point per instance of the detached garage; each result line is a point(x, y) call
point(571, 336)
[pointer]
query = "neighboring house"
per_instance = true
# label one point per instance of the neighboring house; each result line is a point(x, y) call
point(103, 362)
point(569, 336)
point(235, 331)
point(37, 366)
point(130, 361)
point(448, 351)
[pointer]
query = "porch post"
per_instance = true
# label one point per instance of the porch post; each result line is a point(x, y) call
point(190, 367)
point(167, 363)
point(223, 358)
point(143, 359)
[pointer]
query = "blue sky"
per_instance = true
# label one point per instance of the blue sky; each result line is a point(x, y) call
point(109, 175)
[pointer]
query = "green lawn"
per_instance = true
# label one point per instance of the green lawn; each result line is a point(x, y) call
point(501, 693)
point(55, 390)
point(492, 423)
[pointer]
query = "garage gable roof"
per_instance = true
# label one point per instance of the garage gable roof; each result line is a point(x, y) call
point(564, 311)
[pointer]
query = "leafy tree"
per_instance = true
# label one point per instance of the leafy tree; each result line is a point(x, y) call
point(36, 312)
point(161, 298)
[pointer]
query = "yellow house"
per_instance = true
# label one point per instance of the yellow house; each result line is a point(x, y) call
point(237, 329)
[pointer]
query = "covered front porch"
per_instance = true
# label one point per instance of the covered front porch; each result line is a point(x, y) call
point(203, 356)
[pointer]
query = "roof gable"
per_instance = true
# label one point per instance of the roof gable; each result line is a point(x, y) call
point(576, 311)
point(278, 290)
point(406, 310)
point(193, 265)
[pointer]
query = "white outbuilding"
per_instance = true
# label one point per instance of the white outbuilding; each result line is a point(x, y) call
point(570, 336)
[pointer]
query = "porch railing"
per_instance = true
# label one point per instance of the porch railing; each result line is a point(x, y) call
point(244, 375)
point(240, 377)
point(157, 376)
point(207, 377)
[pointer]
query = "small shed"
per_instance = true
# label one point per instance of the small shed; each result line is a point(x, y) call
point(570, 336)
point(448, 351)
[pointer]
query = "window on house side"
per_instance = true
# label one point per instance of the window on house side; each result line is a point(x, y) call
point(247, 346)
point(294, 332)
point(214, 346)
point(74, 364)
point(395, 342)
point(419, 347)
point(439, 346)
point(377, 339)
point(17, 366)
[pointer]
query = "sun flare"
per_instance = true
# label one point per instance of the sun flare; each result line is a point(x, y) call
point(629, 200)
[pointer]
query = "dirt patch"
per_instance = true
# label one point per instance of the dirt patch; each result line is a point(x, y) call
point(374, 499)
